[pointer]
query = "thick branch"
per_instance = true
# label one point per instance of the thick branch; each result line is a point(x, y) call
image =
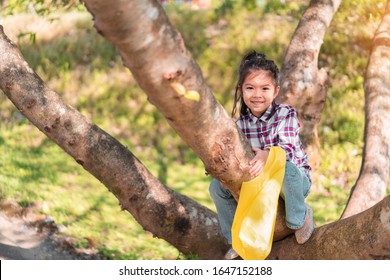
point(374, 174)
point(302, 84)
point(362, 237)
point(159, 60)
point(157, 57)
point(185, 224)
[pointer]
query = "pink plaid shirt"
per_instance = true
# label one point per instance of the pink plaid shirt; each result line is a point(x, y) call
point(278, 126)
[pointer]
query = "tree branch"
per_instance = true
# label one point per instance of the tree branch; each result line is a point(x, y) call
point(187, 225)
point(364, 236)
point(156, 55)
point(373, 179)
point(302, 84)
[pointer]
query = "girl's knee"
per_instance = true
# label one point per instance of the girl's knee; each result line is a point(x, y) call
point(213, 188)
point(295, 179)
point(292, 182)
point(291, 170)
point(216, 189)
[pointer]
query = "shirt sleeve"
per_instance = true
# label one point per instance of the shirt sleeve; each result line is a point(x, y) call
point(239, 123)
point(288, 134)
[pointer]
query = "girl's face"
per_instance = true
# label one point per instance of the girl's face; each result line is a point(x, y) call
point(258, 91)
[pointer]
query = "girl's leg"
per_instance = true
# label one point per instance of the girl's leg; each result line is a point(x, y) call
point(296, 187)
point(226, 207)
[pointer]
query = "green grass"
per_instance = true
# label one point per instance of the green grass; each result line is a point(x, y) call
point(36, 170)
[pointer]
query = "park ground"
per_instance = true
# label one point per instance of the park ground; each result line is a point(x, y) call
point(26, 235)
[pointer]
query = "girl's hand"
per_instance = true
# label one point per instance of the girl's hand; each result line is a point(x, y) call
point(258, 162)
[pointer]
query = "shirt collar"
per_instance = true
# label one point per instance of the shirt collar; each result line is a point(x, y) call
point(265, 116)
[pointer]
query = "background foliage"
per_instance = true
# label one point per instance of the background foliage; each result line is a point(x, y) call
point(60, 43)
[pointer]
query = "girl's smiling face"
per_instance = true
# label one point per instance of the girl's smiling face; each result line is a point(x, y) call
point(259, 91)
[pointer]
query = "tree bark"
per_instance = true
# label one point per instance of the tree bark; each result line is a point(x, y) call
point(373, 179)
point(156, 55)
point(187, 225)
point(158, 59)
point(362, 237)
point(302, 84)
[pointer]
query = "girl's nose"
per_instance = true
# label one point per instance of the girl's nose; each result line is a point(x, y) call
point(257, 92)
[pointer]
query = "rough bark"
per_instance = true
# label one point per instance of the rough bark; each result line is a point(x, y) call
point(373, 179)
point(187, 225)
point(302, 84)
point(156, 55)
point(364, 236)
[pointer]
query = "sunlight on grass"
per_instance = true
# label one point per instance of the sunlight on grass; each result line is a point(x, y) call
point(77, 201)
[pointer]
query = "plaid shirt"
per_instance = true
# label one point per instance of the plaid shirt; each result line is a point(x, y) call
point(278, 126)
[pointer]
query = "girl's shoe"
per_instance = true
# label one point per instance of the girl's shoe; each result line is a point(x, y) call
point(304, 233)
point(231, 254)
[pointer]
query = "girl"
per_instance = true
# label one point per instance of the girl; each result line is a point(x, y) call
point(265, 124)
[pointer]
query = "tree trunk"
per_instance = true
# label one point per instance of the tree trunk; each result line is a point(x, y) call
point(362, 237)
point(156, 55)
point(187, 225)
point(158, 59)
point(302, 84)
point(373, 179)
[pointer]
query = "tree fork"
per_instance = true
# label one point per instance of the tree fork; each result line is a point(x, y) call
point(187, 225)
point(158, 59)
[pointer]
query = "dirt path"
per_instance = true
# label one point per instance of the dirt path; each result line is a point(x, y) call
point(25, 235)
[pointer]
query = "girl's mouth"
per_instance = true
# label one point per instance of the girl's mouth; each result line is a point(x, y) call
point(257, 102)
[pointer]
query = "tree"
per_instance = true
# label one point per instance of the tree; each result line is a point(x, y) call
point(373, 179)
point(177, 89)
point(303, 85)
point(169, 215)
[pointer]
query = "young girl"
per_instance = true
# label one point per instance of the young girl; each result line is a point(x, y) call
point(265, 124)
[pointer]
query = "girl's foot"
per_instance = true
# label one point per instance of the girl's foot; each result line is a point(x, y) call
point(304, 233)
point(231, 254)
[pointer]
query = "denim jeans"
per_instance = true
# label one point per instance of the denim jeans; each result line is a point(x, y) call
point(295, 188)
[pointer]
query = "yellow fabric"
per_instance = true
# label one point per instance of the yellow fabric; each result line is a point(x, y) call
point(254, 220)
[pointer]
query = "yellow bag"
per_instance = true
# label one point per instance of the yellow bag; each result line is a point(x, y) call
point(254, 220)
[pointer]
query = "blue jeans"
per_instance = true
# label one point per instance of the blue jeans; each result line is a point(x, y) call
point(295, 188)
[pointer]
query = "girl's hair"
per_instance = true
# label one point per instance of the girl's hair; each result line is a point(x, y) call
point(251, 62)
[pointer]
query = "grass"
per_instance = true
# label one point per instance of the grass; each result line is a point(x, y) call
point(39, 171)
point(36, 170)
